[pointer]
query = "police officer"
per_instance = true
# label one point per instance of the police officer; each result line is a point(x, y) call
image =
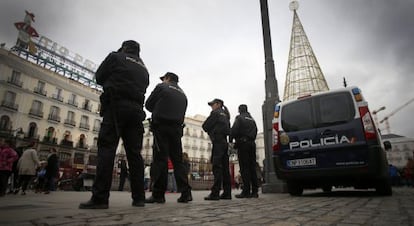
point(244, 131)
point(124, 79)
point(217, 125)
point(168, 104)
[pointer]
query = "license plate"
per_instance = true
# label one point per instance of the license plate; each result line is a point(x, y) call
point(301, 162)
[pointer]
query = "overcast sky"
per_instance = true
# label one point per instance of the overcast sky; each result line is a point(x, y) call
point(216, 46)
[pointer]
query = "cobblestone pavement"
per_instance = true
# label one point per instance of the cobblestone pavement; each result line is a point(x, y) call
point(341, 207)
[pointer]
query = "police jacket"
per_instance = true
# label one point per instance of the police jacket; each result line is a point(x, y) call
point(123, 76)
point(167, 103)
point(217, 125)
point(244, 128)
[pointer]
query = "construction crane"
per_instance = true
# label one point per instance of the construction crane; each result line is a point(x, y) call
point(385, 119)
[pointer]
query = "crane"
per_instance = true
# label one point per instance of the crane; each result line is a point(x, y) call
point(385, 119)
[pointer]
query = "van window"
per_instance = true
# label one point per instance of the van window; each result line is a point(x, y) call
point(297, 116)
point(335, 109)
point(316, 112)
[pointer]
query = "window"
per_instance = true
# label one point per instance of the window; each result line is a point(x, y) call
point(37, 108)
point(10, 100)
point(72, 100)
point(335, 108)
point(97, 125)
point(58, 94)
point(86, 105)
point(84, 123)
point(40, 89)
point(15, 79)
point(297, 116)
point(82, 141)
point(4, 122)
point(70, 118)
point(54, 114)
point(32, 130)
point(79, 158)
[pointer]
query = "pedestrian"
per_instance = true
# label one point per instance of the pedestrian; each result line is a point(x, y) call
point(52, 170)
point(28, 164)
point(147, 178)
point(15, 172)
point(217, 125)
point(7, 157)
point(124, 79)
point(244, 132)
point(123, 174)
point(40, 180)
point(168, 104)
point(172, 184)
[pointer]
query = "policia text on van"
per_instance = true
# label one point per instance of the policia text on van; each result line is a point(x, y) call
point(329, 139)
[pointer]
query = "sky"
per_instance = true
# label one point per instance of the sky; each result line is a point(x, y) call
point(216, 46)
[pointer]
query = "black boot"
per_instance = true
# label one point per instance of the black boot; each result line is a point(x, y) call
point(153, 199)
point(93, 205)
point(225, 196)
point(212, 196)
point(242, 195)
point(185, 197)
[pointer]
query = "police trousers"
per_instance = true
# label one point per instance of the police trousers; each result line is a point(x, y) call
point(124, 120)
point(221, 172)
point(167, 144)
point(247, 160)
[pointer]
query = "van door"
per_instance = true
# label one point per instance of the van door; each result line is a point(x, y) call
point(297, 123)
point(339, 131)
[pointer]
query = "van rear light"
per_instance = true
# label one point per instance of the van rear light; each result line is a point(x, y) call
point(275, 135)
point(368, 123)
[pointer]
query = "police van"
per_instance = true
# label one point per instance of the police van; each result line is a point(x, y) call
point(329, 139)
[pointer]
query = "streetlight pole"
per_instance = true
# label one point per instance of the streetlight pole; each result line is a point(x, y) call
point(272, 184)
point(374, 113)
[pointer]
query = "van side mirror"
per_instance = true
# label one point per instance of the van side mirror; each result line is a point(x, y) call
point(387, 145)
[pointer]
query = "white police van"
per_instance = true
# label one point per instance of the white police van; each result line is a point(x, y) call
point(329, 139)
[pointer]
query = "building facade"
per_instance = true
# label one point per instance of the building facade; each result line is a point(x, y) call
point(402, 149)
point(40, 104)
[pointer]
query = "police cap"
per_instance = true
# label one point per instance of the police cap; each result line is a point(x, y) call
point(170, 75)
point(216, 100)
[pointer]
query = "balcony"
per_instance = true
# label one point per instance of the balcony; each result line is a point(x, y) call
point(15, 82)
point(73, 103)
point(53, 118)
point(10, 105)
point(40, 91)
point(67, 143)
point(36, 113)
point(70, 122)
point(84, 126)
point(57, 97)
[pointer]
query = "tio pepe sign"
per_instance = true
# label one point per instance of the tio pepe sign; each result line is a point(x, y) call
point(65, 53)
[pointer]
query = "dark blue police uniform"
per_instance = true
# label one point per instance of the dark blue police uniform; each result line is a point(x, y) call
point(124, 79)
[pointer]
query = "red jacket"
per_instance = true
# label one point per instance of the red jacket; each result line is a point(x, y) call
point(7, 157)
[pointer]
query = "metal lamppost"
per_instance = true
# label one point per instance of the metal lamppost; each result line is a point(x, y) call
point(374, 113)
point(272, 97)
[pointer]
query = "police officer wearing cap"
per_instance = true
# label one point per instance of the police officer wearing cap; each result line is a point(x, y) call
point(168, 104)
point(124, 79)
point(244, 131)
point(217, 125)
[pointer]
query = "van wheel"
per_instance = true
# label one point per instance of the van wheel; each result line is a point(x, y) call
point(294, 189)
point(383, 187)
point(327, 188)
